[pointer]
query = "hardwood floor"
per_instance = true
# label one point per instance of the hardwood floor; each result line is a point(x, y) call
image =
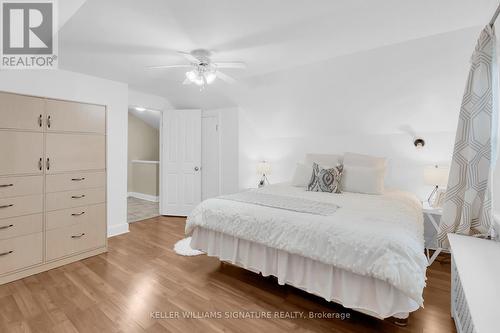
point(141, 277)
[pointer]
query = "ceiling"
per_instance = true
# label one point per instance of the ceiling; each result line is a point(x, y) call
point(406, 56)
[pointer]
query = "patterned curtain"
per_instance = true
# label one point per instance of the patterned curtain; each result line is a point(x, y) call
point(467, 206)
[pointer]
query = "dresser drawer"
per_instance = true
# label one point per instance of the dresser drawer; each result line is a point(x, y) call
point(75, 181)
point(79, 215)
point(70, 199)
point(20, 226)
point(20, 252)
point(17, 186)
point(76, 238)
point(17, 206)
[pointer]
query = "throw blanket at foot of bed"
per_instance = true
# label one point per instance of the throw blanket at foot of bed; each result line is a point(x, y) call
point(299, 205)
point(380, 236)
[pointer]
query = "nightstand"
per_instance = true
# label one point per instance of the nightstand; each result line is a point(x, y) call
point(432, 217)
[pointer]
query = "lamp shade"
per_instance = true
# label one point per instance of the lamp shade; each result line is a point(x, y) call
point(263, 168)
point(436, 176)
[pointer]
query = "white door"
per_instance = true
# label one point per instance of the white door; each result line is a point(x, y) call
point(210, 173)
point(180, 162)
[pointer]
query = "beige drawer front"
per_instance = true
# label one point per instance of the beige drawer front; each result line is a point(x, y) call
point(21, 152)
point(20, 252)
point(17, 186)
point(78, 215)
point(75, 117)
point(21, 112)
point(17, 206)
point(20, 226)
point(63, 242)
point(74, 152)
point(70, 199)
point(75, 181)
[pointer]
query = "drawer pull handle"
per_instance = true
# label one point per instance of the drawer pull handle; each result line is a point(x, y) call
point(7, 206)
point(78, 196)
point(48, 122)
point(77, 179)
point(6, 253)
point(6, 185)
point(40, 166)
point(78, 236)
point(78, 214)
point(6, 226)
point(40, 121)
point(48, 163)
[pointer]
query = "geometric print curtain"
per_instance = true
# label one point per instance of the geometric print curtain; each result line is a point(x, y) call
point(467, 208)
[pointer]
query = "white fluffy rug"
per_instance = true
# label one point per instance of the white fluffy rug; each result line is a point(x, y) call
point(183, 248)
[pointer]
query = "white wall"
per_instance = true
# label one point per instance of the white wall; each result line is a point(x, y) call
point(405, 163)
point(371, 102)
point(83, 88)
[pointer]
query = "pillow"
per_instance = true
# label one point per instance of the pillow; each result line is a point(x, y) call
point(325, 180)
point(364, 160)
point(361, 179)
point(325, 160)
point(302, 175)
point(363, 174)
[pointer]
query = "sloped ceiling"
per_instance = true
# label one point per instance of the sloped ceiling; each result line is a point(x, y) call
point(381, 66)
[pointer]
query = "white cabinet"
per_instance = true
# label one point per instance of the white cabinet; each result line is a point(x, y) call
point(52, 183)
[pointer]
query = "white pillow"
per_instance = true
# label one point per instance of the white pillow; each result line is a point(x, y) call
point(364, 160)
point(361, 179)
point(302, 175)
point(325, 160)
point(363, 174)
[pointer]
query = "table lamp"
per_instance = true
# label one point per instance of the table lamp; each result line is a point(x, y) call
point(437, 177)
point(263, 169)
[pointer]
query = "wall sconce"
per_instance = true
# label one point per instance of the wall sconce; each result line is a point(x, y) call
point(419, 143)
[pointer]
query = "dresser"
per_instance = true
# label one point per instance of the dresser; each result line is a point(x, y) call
point(475, 286)
point(52, 183)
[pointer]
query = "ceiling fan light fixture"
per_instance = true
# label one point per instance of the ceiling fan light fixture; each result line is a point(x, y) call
point(210, 77)
point(192, 75)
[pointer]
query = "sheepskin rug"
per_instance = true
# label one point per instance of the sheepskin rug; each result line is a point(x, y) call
point(183, 248)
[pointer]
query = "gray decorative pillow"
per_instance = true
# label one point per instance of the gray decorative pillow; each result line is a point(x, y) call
point(325, 180)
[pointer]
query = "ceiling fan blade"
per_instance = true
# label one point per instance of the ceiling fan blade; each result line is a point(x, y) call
point(186, 81)
point(225, 77)
point(168, 66)
point(190, 57)
point(230, 65)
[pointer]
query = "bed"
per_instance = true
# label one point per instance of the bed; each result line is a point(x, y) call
point(363, 251)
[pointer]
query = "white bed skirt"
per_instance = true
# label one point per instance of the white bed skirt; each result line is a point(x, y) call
point(364, 294)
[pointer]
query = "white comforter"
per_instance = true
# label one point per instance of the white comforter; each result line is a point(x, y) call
point(380, 236)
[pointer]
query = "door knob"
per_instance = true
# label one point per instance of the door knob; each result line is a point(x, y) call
point(196, 168)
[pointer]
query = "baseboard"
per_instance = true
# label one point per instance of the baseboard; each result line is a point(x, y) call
point(115, 230)
point(143, 196)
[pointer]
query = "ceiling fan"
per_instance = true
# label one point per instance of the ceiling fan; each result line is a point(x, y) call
point(203, 71)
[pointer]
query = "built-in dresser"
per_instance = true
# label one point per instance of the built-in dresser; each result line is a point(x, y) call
point(52, 183)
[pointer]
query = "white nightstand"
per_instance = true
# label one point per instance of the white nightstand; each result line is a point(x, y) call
point(432, 217)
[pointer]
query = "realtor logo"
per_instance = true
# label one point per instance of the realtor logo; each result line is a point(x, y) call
point(29, 38)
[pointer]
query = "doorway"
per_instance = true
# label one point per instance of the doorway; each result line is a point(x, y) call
point(143, 163)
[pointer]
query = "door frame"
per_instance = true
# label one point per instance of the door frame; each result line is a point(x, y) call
point(213, 114)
